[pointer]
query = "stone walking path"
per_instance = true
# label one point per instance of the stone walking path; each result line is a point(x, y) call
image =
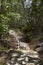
point(21, 54)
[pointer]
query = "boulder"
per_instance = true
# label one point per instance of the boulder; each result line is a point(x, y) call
point(39, 49)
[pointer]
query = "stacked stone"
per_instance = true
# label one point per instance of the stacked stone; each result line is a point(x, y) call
point(19, 58)
point(39, 49)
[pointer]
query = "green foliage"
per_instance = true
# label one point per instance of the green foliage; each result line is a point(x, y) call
point(14, 14)
point(34, 20)
point(8, 15)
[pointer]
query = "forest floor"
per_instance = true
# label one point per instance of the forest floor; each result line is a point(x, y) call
point(22, 55)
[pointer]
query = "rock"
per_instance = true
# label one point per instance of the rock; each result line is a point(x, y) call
point(13, 35)
point(14, 55)
point(41, 44)
point(15, 43)
point(12, 32)
point(17, 64)
point(30, 64)
point(36, 61)
point(12, 59)
point(23, 45)
point(20, 59)
point(7, 63)
point(26, 59)
point(23, 63)
point(20, 53)
point(33, 54)
point(39, 49)
point(23, 55)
